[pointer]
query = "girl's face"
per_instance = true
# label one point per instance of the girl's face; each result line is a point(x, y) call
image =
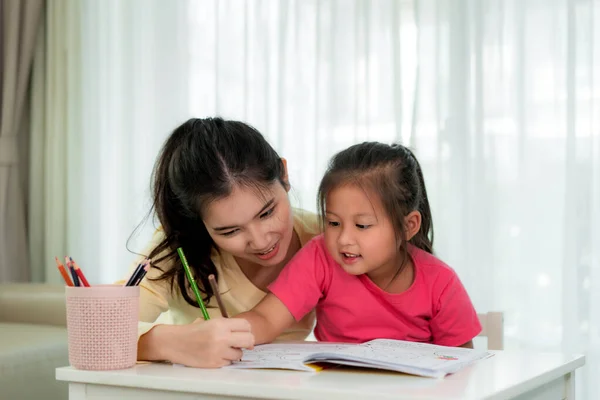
point(358, 233)
point(252, 225)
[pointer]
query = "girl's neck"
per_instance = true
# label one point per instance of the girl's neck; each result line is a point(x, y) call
point(388, 279)
point(262, 276)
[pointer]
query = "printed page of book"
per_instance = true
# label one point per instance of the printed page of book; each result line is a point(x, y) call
point(395, 355)
point(286, 355)
point(392, 354)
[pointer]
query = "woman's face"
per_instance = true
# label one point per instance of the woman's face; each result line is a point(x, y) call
point(253, 225)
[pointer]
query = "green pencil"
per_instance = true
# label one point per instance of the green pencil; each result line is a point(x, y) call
point(188, 273)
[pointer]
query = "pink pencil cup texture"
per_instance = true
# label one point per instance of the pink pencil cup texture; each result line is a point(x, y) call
point(102, 326)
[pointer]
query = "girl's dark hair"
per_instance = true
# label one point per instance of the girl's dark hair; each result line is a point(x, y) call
point(393, 173)
point(202, 161)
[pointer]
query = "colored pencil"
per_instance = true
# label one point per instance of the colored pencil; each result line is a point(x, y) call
point(79, 273)
point(142, 273)
point(215, 289)
point(73, 273)
point(188, 273)
point(135, 274)
point(63, 272)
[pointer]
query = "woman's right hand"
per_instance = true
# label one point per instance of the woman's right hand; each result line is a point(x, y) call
point(204, 344)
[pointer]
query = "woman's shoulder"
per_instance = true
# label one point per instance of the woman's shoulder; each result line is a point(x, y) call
point(158, 236)
point(157, 239)
point(306, 224)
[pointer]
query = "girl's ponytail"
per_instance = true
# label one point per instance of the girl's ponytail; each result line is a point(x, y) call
point(423, 239)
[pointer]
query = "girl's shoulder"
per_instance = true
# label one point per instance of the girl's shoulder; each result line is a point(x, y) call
point(313, 253)
point(306, 224)
point(432, 268)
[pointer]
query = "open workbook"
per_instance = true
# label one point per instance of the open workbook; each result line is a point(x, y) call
point(395, 355)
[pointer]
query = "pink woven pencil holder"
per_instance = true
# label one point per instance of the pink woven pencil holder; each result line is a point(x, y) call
point(102, 326)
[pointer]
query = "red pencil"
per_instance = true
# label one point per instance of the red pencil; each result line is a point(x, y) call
point(79, 273)
point(63, 272)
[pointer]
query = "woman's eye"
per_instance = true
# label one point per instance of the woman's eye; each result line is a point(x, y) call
point(229, 233)
point(333, 223)
point(360, 226)
point(267, 213)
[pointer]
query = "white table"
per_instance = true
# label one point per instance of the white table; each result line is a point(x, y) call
point(506, 375)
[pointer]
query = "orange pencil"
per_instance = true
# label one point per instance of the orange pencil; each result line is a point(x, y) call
point(79, 273)
point(63, 272)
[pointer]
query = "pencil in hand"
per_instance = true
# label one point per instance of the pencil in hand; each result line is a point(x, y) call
point(215, 289)
point(63, 272)
point(192, 282)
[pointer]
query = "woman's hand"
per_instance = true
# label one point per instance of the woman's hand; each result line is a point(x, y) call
point(205, 344)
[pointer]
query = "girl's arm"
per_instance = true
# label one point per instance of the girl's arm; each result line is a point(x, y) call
point(295, 292)
point(455, 322)
point(268, 319)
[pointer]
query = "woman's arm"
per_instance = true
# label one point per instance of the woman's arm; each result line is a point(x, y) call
point(212, 343)
point(206, 344)
point(268, 319)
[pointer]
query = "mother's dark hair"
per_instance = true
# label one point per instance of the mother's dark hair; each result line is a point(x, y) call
point(201, 161)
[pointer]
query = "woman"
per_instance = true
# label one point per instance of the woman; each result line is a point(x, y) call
point(221, 193)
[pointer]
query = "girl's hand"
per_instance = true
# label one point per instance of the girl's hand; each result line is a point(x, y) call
point(205, 344)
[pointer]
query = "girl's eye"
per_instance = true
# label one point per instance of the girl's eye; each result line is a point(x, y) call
point(229, 233)
point(359, 226)
point(267, 213)
point(333, 223)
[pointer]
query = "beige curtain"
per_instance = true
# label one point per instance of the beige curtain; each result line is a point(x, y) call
point(55, 134)
point(20, 22)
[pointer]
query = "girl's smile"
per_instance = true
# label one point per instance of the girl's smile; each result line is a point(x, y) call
point(358, 234)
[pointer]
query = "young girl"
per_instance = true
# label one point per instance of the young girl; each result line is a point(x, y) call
point(220, 193)
point(372, 274)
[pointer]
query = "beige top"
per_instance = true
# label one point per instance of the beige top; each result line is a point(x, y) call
point(237, 292)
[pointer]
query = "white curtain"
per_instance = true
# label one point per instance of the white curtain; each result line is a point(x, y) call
point(499, 98)
point(110, 81)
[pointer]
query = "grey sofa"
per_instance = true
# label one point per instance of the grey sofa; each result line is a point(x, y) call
point(33, 341)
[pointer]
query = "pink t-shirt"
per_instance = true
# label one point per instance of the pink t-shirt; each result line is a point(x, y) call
point(435, 309)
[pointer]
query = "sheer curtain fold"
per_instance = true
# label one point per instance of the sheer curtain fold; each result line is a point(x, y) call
point(499, 99)
point(113, 78)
